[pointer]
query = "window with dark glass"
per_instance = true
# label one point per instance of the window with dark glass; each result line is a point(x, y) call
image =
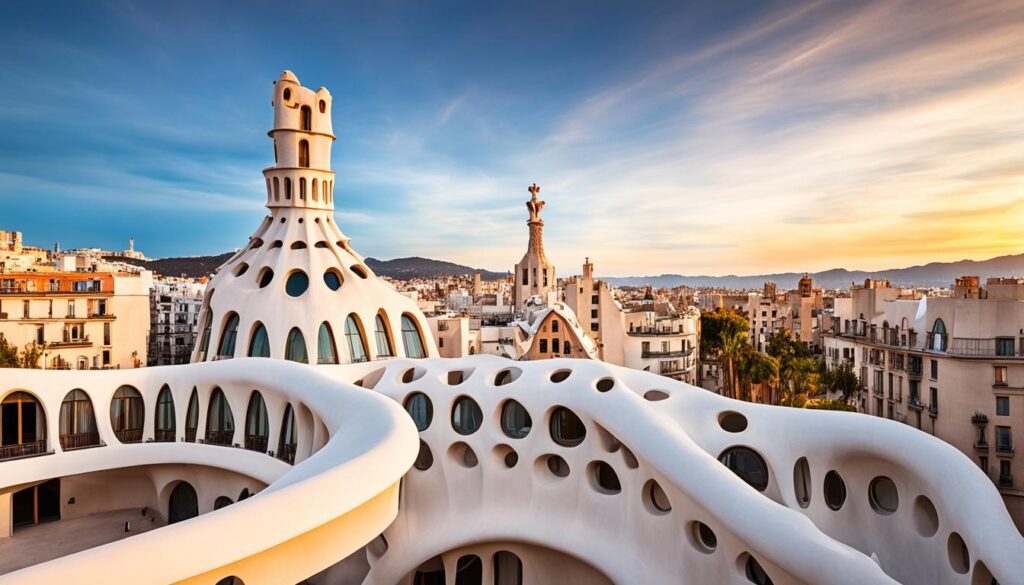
point(257, 425)
point(326, 352)
point(127, 415)
point(354, 336)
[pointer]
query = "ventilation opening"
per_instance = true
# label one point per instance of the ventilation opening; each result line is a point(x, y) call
point(883, 496)
point(277, 243)
point(412, 374)
point(560, 376)
point(321, 243)
point(732, 421)
point(456, 377)
point(557, 466)
point(655, 395)
point(425, 458)
point(266, 275)
point(359, 271)
point(505, 455)
point(298, 246)
point(704, 539)
point(802, 482)
point(835, 490)
point(959, 556)
point(604, 479)
point(507, 376)
point(370, 380)
point(463, 454)
point(605, 384)
point(926, 518)
point(241, 269)
point(655, 499)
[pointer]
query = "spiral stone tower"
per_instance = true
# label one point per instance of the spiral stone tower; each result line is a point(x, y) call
point(534, 275)
point(298, 290)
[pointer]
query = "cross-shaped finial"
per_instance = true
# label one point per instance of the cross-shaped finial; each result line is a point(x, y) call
point(534, 189)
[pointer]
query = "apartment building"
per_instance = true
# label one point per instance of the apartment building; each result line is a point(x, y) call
point(952, 367)
point(84, 320)
point(174, 320)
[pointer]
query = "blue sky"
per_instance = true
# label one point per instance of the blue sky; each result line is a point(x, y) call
point(701, 137)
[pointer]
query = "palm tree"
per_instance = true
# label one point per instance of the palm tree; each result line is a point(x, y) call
point(733, 342)
point(764, 369)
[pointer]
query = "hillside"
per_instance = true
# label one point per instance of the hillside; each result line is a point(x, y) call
point(403, 268)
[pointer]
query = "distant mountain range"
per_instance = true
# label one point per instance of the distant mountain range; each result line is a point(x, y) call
point(937, 274)
point(403, 268)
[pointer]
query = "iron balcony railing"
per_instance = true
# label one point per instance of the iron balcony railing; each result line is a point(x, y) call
point(79, 440)
point(287, 453)
point(164, 436)
point(219, 437)
point(20, 450)
point(256, 443)
point(129, 435)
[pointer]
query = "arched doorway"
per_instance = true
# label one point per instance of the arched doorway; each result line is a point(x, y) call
point(37, 504)
point(22, 426)
point(184, 503)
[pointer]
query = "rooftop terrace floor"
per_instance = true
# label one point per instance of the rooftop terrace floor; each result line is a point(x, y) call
point(37, 544)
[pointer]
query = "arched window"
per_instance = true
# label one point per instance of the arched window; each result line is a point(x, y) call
point(939, 339)
point(469, 570)
point(325, 190)
point(192, 417)
point(277, 189)
point(164, 421)
point(77, 422)
point(383, 336)
point(302, 188)
point(27, 436)
point(204, 344)
point(508, 569)
point(259, 344)
point(326, 352)
point(127, 414)
point(567, 347)
point(287, 188)
point(304, 154)
point(316, 194)
point(354, 336)
point(295, 349)
point(411, 338)
point(307, 118)
point(227, 338)
point(289, 439)
point(184, 503)
point(220, 423)
point(257, 425)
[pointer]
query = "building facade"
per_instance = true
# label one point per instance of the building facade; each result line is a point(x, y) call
point(952, 367)
point(83, 320)
point(174, 320)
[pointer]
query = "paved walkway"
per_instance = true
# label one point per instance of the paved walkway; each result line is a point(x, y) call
point(37, 544)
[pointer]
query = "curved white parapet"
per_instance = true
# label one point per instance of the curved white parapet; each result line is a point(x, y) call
point(651, 429)
point(353, 448)
point(619, 504)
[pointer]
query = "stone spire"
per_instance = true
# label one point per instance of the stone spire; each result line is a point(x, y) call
point(536, 224)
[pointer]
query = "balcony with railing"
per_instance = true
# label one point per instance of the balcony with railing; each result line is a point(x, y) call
point(129, 435)
point(70, 341)
point(646, 331)
point(287, 453)
point(72, 441)
point(222, 438)
point(256, 443)
point(974, 347)
point(19, 450)
point(674, 353)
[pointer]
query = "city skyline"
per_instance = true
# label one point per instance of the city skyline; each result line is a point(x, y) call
point(693, 141)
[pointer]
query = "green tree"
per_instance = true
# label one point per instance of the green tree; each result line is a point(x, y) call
point(842, 380)
point(723, 337)
point(31, 355)
point(8, 355)
point(801, 381)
